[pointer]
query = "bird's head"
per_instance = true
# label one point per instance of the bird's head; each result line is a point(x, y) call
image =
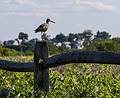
point(48, 20)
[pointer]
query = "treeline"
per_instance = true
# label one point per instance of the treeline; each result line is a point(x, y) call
point(109, 45)
point(86, 40)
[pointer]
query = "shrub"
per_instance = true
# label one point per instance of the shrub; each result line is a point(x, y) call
point(105, 45)
point(8, 52)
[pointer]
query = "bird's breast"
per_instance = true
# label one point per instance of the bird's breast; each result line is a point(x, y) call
point(46, 26)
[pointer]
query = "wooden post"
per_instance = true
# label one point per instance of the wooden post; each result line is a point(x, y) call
point(41, 76)
point(4, 93)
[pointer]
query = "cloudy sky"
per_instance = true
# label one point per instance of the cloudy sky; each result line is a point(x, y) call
point(70, 16)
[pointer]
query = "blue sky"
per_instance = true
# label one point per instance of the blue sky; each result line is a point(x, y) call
point(70, 16)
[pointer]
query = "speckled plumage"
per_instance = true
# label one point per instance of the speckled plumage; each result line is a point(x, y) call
point(42, 28)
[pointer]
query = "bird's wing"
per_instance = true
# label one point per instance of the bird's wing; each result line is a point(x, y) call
point(41, 27)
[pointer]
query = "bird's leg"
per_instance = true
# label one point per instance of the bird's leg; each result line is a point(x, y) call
point(43, 33)
point(41, 36)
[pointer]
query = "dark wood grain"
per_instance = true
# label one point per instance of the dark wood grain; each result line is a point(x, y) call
point(64, 58)
point(41, 76)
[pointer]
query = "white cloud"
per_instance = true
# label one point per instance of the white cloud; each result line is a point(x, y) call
point(25, 2)
point(24, 13)
point(53, 7)
point(94, 5)
point(20, 2)
point(104, 7)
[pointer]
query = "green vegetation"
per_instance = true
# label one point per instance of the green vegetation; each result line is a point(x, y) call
point(52, 50)
point(68, 81)
point(111, 45)
point(56, 49)
point(8, 52)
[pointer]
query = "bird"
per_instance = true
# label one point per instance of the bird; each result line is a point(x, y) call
point(43, 27)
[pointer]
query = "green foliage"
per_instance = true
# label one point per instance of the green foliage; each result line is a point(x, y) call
point(86, 81)
point(28, 52)
point(8, 52)
point(23, 36)
point(102, 35)
point(60, 38)
point(68, 81)
point(56, 49)
point(111, 45)
point(17, 83)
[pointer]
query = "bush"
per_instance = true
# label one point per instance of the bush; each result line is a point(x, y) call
point(28, 53)
point(8, 52)
point(53, 49)
point(105, 45)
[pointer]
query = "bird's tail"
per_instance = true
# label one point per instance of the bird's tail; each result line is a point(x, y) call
point(35, 30)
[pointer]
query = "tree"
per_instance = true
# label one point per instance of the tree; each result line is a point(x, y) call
point(71, 37)
point(75, 40)
point(117, 39)
point(31, 43)
point(23, 36)
point(72, 40)
point(112, 45)
point(1, 43)
point(102, 35)
point(74, 45)
point(60, 38)
point(8, 43)
point(17, 41)
point(79, 36)
point(87, 34)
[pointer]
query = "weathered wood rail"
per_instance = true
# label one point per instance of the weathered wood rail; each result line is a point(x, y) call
point(62, 59)
point(42, 63)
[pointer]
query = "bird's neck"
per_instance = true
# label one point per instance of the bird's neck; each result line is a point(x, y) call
point(47, 22)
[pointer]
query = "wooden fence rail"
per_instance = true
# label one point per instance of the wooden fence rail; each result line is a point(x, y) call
point(64, 58)
point(42, 63)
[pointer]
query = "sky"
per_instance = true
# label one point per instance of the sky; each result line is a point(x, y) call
point(71, 16)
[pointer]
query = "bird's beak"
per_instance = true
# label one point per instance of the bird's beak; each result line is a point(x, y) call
point(52, 21)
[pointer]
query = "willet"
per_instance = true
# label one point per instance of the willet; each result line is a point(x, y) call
point(43, 27)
